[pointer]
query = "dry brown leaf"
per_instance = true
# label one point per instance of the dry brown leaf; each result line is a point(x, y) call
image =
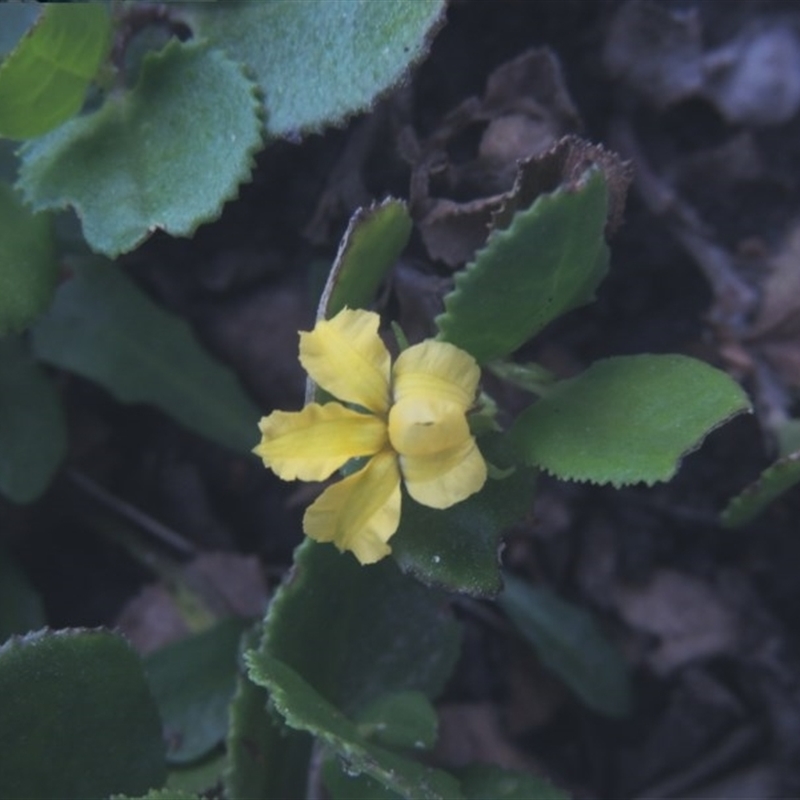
point(687, 615)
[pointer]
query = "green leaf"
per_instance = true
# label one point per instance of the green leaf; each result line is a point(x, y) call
point(104, 328)
point(266, 759)
point(43, 81)
point(320, 62)
point(479, 781)
point(456, 548)
point(160, 794)
point(305, 709)
point(771, 484)
point(78, 719)
point(193, 682)
point(400, 719)
point(382, 630)
point(342, 785)
point(627, 419)
point(165, 155)
point(569, 643)
point(28, 266)
point(371, 245)
point(21, 607)
point(200, 776)
point(33, 432)
point(549, 260)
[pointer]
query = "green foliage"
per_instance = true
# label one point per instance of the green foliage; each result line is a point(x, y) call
point(479, 781)
point(771, 484)
point(28, 265)
point(193, 682)
point(400, 719)
point(318, 63)
point(161, 156)
point(33, 434)
point(372, 243)
point(399, 635)
point(103, 327)
point(306, 709)
point(201, 776)
point(567, 641)
point(43, 81)
point(342, 784)
point(265, 758)
point(21, 608)
point(456, 548)
point(399, 638)
point(626, 419)
point(160, 794)
point(78, 719)
point(549, 260)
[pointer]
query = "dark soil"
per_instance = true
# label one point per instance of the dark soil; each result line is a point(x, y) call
point(708, 618)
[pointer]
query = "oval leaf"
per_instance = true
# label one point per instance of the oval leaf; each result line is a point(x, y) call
point(193, 682)
point(457, 548)
point(33, 432)
point(79, 700)
point(567, 641)
point(320, 62)
point(771, 484)
point(334, 605)
point(105, 328)
point(43, 81)
point(626, 419)
point(28, 266)
point(162, 156)
point(549, 260)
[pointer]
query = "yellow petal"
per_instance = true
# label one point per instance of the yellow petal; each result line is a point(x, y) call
point(447, 478)
point(361, 512)
point(422, 427)
point(313, 443)
point(436, 371)
point(347, 358)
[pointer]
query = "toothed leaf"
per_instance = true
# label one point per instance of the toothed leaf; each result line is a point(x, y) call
point(305, 709)
point(78, 719)
point(626, 420)
point(165, 155)
point(549, 260)
point(320, 62)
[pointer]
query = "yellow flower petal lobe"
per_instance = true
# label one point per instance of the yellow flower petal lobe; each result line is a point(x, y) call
point(347, 358)
point(422, 427)
point(436, 371)
point(361, 512)
point(313, 443)
point(447, 478)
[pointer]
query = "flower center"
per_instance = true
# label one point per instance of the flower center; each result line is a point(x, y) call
point(426, 427)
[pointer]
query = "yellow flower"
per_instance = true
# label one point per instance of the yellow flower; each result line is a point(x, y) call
point(413, 426)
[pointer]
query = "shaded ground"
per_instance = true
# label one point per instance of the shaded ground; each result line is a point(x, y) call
point(703, 98)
